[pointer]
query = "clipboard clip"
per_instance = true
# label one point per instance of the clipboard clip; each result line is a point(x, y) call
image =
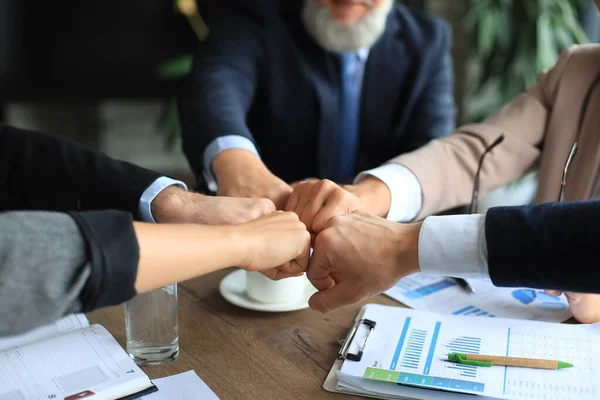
point(343, 354)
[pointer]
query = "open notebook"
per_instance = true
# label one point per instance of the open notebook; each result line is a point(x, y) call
point(68, 360)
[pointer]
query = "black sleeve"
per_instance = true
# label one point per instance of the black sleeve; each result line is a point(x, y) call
point(548, 246)
point(40, 171)
point(113, 253)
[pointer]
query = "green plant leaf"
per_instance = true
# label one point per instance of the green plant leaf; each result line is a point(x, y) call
point(175, 68)
point(547, 52)
point(477, 9)
point(487, 33)
point(525, 37)
point(168, 123)
point(562, 35)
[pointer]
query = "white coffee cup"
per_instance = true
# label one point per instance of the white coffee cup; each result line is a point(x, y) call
point(266, 290)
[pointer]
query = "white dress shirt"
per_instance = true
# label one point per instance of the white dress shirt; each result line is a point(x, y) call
point(448, 245)
point(454, 245)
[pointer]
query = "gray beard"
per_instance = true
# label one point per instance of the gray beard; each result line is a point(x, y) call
point(336, 38)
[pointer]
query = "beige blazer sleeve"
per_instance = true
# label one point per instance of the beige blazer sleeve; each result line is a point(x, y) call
point(446, 167)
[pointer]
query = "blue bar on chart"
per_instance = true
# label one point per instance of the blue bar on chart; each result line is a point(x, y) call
point(436, 332)
point(472, 310)
point(429, 289)
point(414, 349)
point(400, 344)
point(464, 344)
point(407, 284)
point(469, 371)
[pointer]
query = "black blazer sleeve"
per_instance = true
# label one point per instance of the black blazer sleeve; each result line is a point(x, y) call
point(39, 171)
point(548, 246)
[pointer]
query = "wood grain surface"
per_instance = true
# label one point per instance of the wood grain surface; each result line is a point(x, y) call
point(244, 354)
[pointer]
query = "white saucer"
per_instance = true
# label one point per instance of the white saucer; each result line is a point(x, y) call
point(233, 289)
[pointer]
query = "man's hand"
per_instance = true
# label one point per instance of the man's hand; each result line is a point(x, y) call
point(358, 256)
point(584, 307)
point(175, 205)
point(317, 201)
point(275, 239)
point(240, 173)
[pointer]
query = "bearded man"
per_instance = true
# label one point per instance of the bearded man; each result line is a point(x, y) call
point(283, 90)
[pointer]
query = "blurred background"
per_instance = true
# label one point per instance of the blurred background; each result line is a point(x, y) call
point(104, 73)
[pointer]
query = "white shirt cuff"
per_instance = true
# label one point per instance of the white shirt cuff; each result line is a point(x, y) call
point(219, 145)
point(151, 192)
point(454, 246)
point(404, 187)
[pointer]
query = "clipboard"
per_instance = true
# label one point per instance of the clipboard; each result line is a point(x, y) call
point(410, 392)
point(331, 382)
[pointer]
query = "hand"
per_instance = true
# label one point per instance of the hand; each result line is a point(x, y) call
point(240, 173)
point(176, 205)
point(315, 202)
point(584, 307)
point(294, 184)
point(358, 256)
point(278, 239)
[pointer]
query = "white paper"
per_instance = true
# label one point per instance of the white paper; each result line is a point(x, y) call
point(63, 365)
point(443, 295)
point(184, 386)
point(69, 323)
point(410, 347)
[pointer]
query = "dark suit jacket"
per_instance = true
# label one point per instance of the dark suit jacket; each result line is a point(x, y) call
point(39, 171)
point(547, 246)
point(260, 75)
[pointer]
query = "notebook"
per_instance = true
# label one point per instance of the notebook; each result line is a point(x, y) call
point(67, 360)
point(404, 356)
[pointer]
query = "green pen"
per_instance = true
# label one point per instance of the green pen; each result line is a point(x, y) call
point(481, 360)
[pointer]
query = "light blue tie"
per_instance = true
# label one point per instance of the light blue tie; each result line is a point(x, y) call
point(343, 148)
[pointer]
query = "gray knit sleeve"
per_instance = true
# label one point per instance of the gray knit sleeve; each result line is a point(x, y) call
point(43, 269)
point(52, 264)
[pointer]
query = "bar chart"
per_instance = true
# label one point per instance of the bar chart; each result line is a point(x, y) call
point(442, 295)
point(414, 360)
point(472, 310)
point(414, 349)
point(415, 289)
point(464, 344)
point(467, 345)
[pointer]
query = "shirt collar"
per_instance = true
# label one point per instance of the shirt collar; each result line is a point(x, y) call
point(363, 54)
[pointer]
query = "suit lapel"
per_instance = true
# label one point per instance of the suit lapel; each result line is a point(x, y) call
point(382, 97)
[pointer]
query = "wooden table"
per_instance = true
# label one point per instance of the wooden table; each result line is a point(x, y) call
point(244, 354)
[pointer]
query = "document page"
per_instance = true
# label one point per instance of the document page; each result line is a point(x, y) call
point(68, 323)
point(87, 359)
point(184, 386)
point(411, 347)
point(443, 295)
